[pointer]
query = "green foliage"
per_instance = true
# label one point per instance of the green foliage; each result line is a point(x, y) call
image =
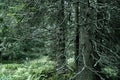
point(29, 29)
point(71, 63)
point(38, 69)
point(110, 71)
point(66, 76)
point(33, 70)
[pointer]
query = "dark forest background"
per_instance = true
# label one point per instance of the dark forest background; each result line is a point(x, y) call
point(59, 39)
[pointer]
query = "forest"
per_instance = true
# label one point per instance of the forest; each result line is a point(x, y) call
point(59, 39)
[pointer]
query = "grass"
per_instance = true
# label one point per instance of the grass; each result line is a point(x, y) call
point(42, 69)
point(29, 70)
point(37, 69)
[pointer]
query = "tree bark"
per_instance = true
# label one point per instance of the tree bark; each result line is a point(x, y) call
point(77, 35)
point(61, 37)
point(84, 27)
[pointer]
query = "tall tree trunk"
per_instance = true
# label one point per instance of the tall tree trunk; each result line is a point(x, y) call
point(77, 35)
point(84, 26)
point(61, 37)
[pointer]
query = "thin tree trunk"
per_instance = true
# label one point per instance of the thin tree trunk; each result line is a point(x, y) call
point(77, 35)
point(61, 37)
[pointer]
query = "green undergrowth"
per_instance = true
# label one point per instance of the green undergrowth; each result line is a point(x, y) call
point(111, 72)
point(44, 69)
point(37, 69)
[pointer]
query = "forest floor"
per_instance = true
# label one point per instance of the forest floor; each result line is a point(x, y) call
point(36, 69)
point(27, 70)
